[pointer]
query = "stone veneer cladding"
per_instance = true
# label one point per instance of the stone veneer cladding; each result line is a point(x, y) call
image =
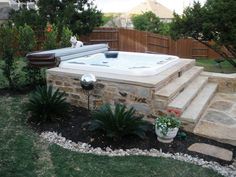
point(139, 97)
point(226, 82)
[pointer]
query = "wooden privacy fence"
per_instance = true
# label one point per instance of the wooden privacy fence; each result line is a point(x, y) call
point(139, 41)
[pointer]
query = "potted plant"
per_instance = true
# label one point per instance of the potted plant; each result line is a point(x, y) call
point(166, 128)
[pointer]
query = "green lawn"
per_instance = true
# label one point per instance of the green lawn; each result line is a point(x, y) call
point(211, 66)
point(23, 154)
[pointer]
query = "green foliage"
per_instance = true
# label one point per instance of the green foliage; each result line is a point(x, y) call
point(27, 42)
point(166, 122)
point(118, 122)
point(27, 39)
point(47, 105)
point(8, 44)
point(148, 21)
point(106, 18)
point(182, 136)
point(165, 29)
point(50, 41)
point(190, 24)
point(80, 16)
point(213, 21)
point(65, 37)
point(34, 76)
point(30, 17)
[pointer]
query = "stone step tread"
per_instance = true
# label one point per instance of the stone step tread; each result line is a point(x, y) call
point(176, 85)
point(199, 104)
point(189, 93)
point(181, 66)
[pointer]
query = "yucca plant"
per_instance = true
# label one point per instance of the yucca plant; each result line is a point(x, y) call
point(45, 105)
point(118, 122)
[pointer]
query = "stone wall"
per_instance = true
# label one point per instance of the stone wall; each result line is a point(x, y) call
point(139, 97)
point(226, 82)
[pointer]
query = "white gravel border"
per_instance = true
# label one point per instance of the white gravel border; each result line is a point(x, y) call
point(53, 137)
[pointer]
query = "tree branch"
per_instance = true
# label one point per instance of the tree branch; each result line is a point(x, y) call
point(220, 52)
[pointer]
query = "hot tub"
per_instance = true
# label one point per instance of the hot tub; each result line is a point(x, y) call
point(122, 63)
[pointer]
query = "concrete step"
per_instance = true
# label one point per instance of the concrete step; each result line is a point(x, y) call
point(184, 98)
point(172, 73)
point(199, 104)
point(173, 88)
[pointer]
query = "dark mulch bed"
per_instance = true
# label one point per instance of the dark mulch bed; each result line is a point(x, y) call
point(72, 129)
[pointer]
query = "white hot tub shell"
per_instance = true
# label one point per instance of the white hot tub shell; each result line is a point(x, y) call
point(122, 63)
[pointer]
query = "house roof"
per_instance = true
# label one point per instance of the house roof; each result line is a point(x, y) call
point(151, 5)
point(4, 13)
point(4, 9)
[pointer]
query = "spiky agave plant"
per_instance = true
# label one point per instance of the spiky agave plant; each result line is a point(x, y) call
point(45, 104)
point(118, 122)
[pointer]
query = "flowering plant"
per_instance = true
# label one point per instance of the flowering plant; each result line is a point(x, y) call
point(51, 34)
point(166, 122)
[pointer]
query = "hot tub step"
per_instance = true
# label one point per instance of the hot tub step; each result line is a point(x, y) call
point(184, 98)
point(165, 77)
point(169, 91)
point(199, 104)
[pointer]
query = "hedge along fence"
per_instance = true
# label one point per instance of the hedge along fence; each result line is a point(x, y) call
point(139, 41)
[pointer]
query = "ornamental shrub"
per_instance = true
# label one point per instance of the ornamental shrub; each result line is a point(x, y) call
point(119, 122)
point(47, 105)
point(27, 39)
point(27, 43)
point(65, 37)
point(8, 48)
point(51, 34)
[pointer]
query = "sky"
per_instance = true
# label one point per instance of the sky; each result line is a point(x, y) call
point(125, 5)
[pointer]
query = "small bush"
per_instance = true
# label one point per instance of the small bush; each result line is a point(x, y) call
point(65, 37)
point(50, 37)
point(47, 105)
point(27, 39)
point(8, 43)
point(34, 76)
point(118, 123)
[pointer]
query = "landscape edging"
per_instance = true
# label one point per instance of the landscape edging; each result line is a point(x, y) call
point(53, 137)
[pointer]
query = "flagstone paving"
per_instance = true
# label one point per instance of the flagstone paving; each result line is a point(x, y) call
point(211, 150)
point(219, 121)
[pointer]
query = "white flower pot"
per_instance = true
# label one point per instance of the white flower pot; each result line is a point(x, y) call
point(168, 138)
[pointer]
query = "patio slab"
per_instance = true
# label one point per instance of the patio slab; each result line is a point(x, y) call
point(219, 121)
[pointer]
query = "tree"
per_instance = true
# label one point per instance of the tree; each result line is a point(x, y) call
point(215, 21)
point(148, 21)
point(8, 45)
point(165, 29)
point(81, 16)
point(30, 17)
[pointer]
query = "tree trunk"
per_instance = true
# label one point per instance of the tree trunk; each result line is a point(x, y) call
point(221, 53)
